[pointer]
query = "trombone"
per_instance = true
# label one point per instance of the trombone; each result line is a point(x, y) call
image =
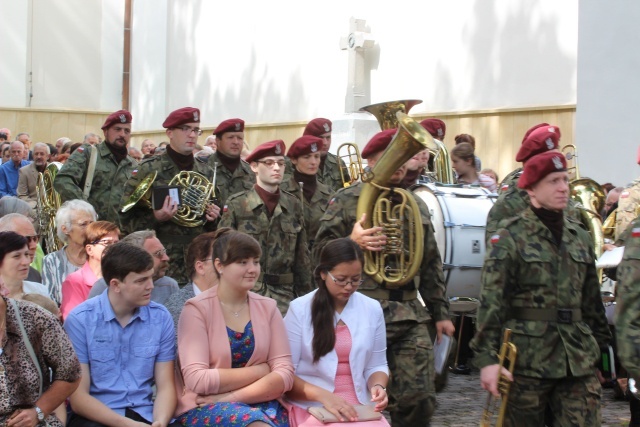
point(350, 163)
point(506, 359)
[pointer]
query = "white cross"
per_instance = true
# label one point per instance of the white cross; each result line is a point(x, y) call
point(358, 84)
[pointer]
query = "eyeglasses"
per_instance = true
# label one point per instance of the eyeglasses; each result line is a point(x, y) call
point(159, 254)
point(33, 238)
point(344, 283)
point(104, 242)
point(270, 163)
point(189, 129)
point(82, 224)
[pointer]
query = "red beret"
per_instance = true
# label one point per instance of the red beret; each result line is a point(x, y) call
point(229, 125)
point(120, 116)
point(538, 141)
point(182, 116)
point(379, 142)
point(317, 127)
point(531, 129)
point(306, 144)
point(271, 148)
point(435, 127)
point(540, 166)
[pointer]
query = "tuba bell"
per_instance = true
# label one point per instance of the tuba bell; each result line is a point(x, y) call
point(400, 260)
point(47, 204)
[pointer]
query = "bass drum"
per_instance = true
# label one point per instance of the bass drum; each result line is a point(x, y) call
point(459, 217)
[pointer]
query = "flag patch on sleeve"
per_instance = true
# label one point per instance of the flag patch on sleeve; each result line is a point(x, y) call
point(624, 194)
point(504, 187)
point(226, 208)
point(495, 238)
point(635, 232)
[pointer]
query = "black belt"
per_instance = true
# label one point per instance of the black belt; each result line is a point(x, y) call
point(560, 315)
point(276, 279)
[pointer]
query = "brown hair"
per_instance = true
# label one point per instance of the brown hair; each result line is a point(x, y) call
point(490, 171)
point(463, 151)
point(97, 230)
point(200, 249)
point(465, 137)
point(231, 246)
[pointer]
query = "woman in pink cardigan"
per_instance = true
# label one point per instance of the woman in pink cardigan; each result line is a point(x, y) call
point(233, 352)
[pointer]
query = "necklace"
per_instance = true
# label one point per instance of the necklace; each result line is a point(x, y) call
point(235, 313)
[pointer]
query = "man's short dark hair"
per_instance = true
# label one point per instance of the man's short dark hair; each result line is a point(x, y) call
point(4, 136)
point(123, 258)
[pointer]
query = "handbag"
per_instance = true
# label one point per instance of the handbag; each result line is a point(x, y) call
point(365, 413)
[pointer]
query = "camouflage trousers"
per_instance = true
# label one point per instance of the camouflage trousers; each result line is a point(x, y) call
point(572, 401)
point(412, 396)
point(177, 253)
point(283, 294)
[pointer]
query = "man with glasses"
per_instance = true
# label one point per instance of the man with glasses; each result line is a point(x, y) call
point(233, 175)
point(183, 128)
point(97, 174)
point(276, 220)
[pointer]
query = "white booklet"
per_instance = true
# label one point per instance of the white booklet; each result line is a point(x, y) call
point(441, 352)
point(610, 258)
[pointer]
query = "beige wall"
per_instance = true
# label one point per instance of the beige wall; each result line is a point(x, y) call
point(498, 133)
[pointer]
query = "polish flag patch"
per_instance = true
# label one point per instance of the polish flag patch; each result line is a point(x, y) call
point(635, 232)
point(331, 201)
point(80, 149)
point(504, 187)
point(226, 208)
point(495, 239)
point(134, 172)
point(624, 194)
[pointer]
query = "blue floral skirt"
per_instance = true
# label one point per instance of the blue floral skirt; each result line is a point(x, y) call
point(236, 414)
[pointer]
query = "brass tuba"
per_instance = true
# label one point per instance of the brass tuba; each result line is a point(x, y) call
point(350, 155)
point(47, 205)
point(400, 260)
point(506, 359)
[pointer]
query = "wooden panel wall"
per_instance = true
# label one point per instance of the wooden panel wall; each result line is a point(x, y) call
point(498, 133)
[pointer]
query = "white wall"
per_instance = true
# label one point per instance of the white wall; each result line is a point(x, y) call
point(13, 51)
point(607, 122)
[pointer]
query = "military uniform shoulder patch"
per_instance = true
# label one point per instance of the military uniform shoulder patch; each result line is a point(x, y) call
point(495, 239)
point(635, 232)
point(624, 194)
point(236, 195)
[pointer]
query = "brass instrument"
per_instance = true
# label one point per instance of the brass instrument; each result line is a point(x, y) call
point(47, 205)
point(141, 194)
point(400, 260)
point(506, 359)
point(353, 163)
point(385, 112)
point(570, 152)
point(609, 225)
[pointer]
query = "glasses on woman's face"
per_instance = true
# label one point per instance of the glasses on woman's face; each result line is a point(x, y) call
point(104, 242)
point(344, 283)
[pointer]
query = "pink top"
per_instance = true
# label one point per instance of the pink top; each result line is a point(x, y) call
point(76, 288)
point(203, 345)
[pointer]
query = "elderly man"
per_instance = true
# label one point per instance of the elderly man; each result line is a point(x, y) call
point(9, 170)
point(23, 226)
point(28, 175)
point(98, 173)
point(163, 286)
point(135, 154)
point(60, 142)
point(211, 142)
point(147, 147)
point(26, 140)
point(91, 139)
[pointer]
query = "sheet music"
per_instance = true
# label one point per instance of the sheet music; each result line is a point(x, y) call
point(610, 258)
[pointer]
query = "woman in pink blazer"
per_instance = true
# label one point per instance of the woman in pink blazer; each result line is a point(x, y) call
point(233, 352)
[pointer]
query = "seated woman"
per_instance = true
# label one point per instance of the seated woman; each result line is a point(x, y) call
point(340, 360)
point(232, 345)
point(15, 258)
point(99, 235)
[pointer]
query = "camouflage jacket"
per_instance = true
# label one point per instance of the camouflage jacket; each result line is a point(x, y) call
point(227, 182)
point(314, 209)
point(338, 221)
point(628, 203)
point(330, 174)
point(174, 237)
point(628, 304)
point(525, 269)
point(283, 238)
point(108, 184)
point(513, 200)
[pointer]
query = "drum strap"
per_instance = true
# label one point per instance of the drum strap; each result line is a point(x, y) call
point(560, 315)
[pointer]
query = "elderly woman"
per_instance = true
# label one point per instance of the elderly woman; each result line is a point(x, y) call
point(76, 287)
point(15, 258)
point(72, 220)
point(28, 394)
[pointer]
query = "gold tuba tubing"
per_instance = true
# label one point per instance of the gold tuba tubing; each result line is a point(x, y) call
point(47, 204)
point(506, 359)
point(350, 155)
point(400, 260)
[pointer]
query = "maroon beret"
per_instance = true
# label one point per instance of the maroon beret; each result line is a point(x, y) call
point(531, 129)
point(435, 127)
point(182, 116)
point(542, 139)
point(379, 142)
point(306, 144)
point(120, 116)
point(318, 127)
point(271, 148)
point(229, 125)
point(540, 166)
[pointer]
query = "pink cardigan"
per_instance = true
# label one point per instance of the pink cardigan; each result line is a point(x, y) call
point(76, 288)
point(203, 345)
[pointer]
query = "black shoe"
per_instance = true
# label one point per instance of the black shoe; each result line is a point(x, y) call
point(460, 370)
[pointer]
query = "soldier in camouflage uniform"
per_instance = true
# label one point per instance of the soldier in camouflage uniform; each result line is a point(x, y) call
point(112, 169)
point(233, 174)
point(628, 204)
point(330, 164)
point(182, 128)
point(276, 220)
point(539, 280)
point(409, 348)
point(314, 195)
point(513, 200)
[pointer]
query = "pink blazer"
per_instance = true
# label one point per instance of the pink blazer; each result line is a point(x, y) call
point(76, 288)
point(203, 345)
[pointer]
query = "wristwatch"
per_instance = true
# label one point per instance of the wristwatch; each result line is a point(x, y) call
point(39, 413)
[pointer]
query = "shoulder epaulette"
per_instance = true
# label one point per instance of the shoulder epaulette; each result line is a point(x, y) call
point(236, 195)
